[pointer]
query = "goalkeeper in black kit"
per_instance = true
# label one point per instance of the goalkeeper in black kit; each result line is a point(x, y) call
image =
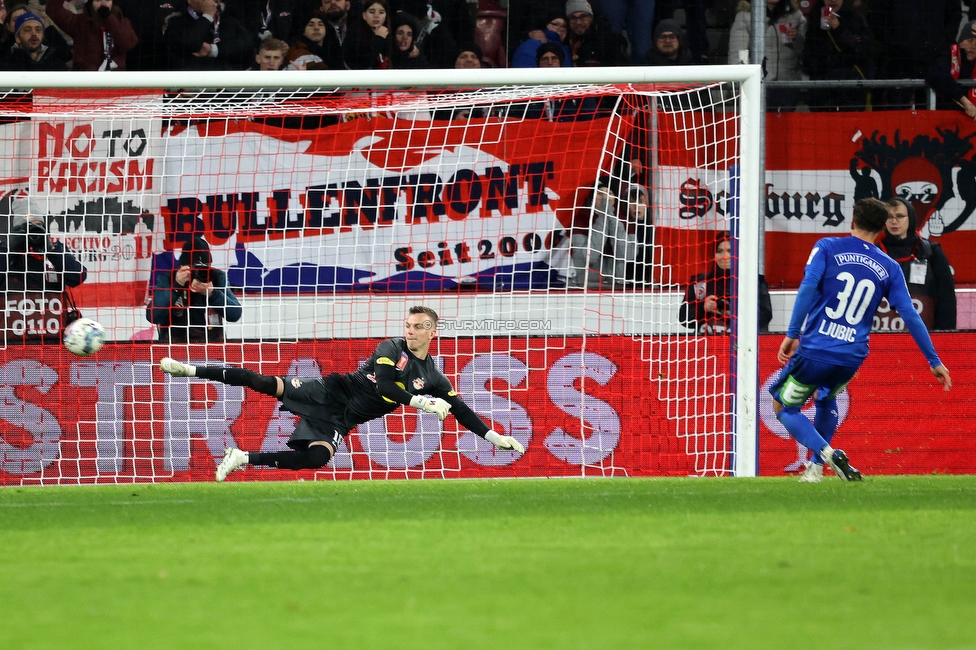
point(400, 371)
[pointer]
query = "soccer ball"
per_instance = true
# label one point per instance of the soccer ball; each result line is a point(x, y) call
point(84, 337)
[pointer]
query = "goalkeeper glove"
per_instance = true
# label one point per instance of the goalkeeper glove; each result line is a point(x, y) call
point(504, 442)
point(431, 405)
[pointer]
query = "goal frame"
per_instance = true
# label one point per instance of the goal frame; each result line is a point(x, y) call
point(746, 219)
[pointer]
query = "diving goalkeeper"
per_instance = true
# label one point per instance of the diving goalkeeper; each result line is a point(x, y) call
point(400, 371)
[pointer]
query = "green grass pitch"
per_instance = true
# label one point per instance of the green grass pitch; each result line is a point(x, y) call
point(569, 563)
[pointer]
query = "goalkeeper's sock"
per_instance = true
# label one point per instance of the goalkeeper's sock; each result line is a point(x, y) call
point(801, 428)
point(239, 377)
point(312, 458)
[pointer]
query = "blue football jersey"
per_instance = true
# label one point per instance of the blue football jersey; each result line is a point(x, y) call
point(851, 277)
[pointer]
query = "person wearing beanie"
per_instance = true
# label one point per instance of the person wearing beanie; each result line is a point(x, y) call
point(591, 41)
point(958, 63)
point(52, 37)
point(926, 270)
point(669, 46)
point(578, 6)
point(102, 35)
point(308, 51)
point(335, 15)
point(468, 57)
point(29, 52)
point(191, 303)
point(550, 55)
point(556, 30)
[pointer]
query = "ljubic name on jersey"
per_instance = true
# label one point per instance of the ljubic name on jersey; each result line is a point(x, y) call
point(837, 331)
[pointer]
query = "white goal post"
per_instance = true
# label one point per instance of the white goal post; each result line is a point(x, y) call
point(464, 190)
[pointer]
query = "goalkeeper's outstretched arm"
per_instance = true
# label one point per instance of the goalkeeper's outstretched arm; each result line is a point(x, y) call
point(470, 421)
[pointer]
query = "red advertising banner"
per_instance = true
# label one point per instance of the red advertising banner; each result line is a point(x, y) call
point(579, 409)
point(895, 418)
point(114, 417)
point(817, 166)
point(394, 204)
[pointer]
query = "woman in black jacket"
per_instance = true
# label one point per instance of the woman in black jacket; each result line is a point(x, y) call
point(926, 269)
point(707, 307)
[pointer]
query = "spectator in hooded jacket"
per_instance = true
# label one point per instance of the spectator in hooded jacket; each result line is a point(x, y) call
point(668, 47)
point(102, 35)
point(707, 308)
point(926, 269)
point(785, 36)
point(406, 54)
point(838, 47)
point(443, 26)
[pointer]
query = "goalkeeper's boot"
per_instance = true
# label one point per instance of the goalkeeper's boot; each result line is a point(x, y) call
point(841, 466)
point(176, 368)
point(233, 459)
point(812, 473)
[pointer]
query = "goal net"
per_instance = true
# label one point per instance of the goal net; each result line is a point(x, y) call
point(567, 227)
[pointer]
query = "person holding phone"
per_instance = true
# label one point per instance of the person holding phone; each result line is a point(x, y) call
point(190, 304)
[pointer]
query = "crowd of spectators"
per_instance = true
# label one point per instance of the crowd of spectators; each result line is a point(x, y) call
point(819, 40)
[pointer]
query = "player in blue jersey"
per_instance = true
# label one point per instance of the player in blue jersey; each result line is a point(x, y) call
point(400, 371)
point(827, 340)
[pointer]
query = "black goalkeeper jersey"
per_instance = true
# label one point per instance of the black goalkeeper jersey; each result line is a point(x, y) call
point(370, 395)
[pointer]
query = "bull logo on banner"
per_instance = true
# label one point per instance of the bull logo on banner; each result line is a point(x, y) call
point(920, 171)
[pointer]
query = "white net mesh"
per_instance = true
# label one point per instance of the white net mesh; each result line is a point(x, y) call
point(553, 228)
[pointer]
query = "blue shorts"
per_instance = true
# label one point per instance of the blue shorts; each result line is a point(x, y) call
point(802, 377)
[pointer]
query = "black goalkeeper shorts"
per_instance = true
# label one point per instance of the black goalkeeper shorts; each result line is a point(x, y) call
point(322, 412)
